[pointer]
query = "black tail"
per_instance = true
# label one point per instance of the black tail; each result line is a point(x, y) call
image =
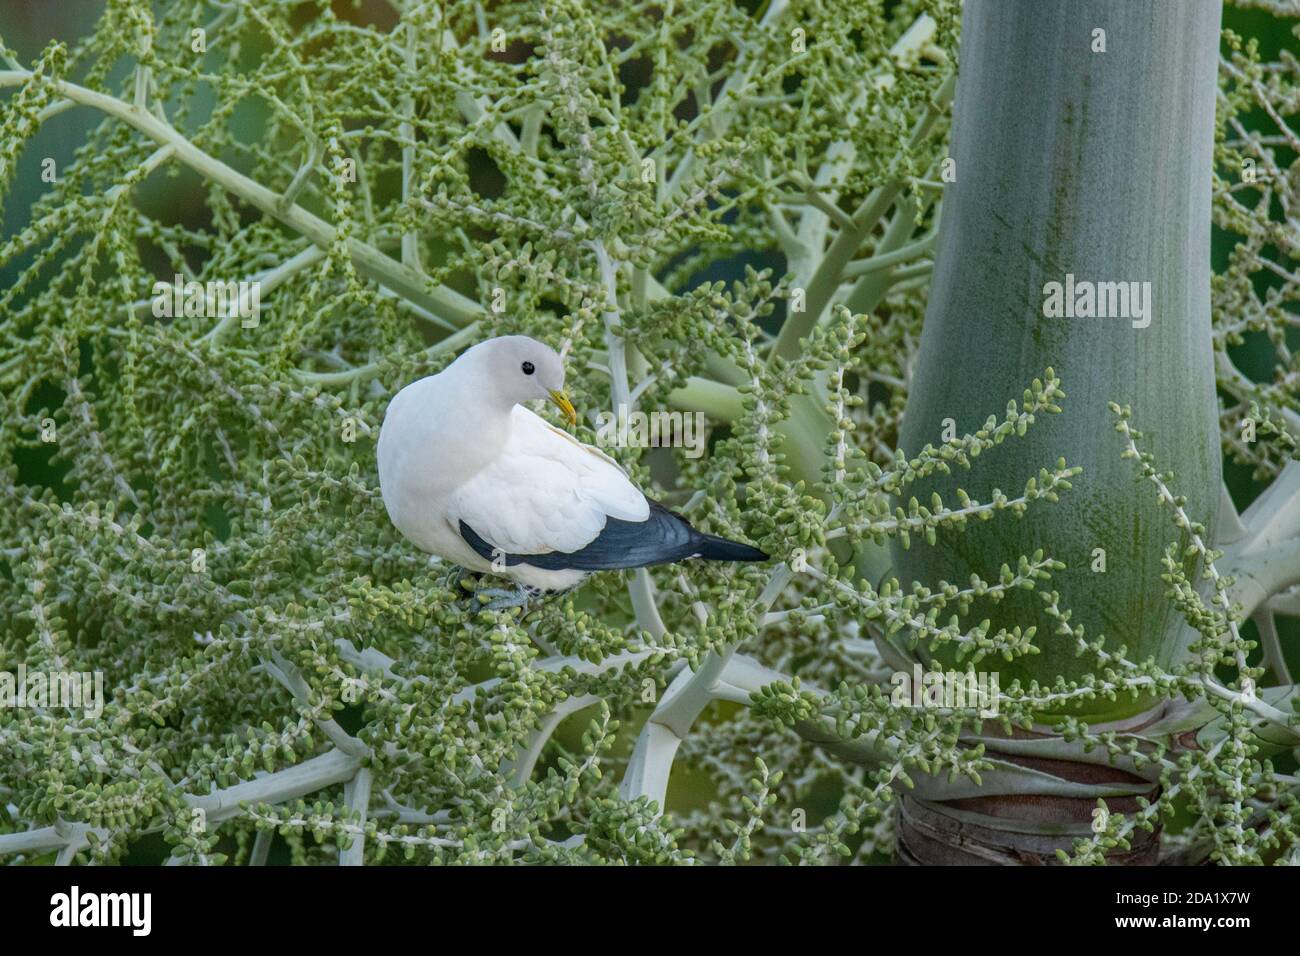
point(713, 548)
point(662, 538)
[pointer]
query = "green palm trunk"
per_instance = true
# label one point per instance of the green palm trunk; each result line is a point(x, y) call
point(1074, 161)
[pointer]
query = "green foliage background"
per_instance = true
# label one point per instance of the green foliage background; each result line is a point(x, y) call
point(314, 637)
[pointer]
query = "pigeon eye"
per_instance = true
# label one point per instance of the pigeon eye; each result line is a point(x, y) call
point(528, 368)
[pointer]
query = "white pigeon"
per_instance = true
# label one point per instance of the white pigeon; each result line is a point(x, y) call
point(471, 475)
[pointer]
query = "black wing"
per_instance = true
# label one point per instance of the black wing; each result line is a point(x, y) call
point(662, 538)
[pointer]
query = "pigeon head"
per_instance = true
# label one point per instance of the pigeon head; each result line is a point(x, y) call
point(522, 369)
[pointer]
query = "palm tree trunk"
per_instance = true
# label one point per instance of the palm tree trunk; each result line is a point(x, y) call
point(1083, 144)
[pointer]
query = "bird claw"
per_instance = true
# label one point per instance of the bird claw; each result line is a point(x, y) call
point(454, 579)
point(501, 599)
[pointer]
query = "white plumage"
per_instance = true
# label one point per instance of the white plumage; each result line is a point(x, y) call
point(470, 475)
point(545, 491)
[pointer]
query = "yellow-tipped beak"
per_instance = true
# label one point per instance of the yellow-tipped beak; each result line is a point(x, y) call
point(566, 406)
